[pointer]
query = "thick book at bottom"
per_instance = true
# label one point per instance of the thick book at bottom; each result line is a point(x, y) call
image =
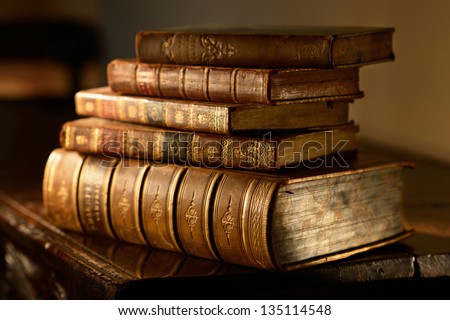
point(276, 222)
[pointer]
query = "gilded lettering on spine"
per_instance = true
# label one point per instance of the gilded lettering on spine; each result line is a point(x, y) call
point(90, 204)
point(219, 121)
point(228, 152)
point(257, 154)
point(250, 153)
point(213, 120)
point(94, 181)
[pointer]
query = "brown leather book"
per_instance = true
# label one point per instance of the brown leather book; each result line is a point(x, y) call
point(212, 117)
point(275, 222)
point(264, 152)
point(231, 84)
point(267, 46)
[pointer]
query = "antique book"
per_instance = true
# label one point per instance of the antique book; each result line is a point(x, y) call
point(265, 152)
point(212, 117)
point(267, 46)
point(74, 265)
point(274, 222)
point(231, 84)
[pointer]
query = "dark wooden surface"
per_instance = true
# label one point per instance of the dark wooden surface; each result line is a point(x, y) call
point(39, 261)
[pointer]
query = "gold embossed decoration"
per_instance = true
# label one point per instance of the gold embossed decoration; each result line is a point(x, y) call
point(179, 116)
point(81, 139)
point(62, 197)
point(166, 47)
point(156, 209)
point(215, 49)
point(90, 107)
point(228, 222)
point(124, 204)
point(191, 215)
point(132, 111)
point(258, 212)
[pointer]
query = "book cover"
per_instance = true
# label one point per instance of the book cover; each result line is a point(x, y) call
point(261, 152)
point(212, 117)
point(231, 84)
point(274, 222)
point(267, 46)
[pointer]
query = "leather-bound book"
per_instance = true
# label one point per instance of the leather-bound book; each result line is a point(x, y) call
point(92, 200)
point(125, 200)
point(275, 222)
point(212, 117)
point(231, 84)
point(62, 194)
point(267, 46)
point(157, 205)
point(261, 152)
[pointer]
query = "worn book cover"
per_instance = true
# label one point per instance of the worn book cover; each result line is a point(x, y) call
point(231, 84)
point(260, 152)
point(267, 46)
point(275, 222)
point(212, 117)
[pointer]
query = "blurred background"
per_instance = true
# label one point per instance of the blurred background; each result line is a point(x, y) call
point(406, 102)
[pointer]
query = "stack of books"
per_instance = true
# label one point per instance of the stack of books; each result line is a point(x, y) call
point(233, 145)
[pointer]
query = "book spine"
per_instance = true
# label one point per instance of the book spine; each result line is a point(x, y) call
point(160, 113)
point(207, 150)
point(234, 85)
point(125, 199)
point(202, 212)
point(93, 189)
point(240, 221)
point(193, 212)
point(229, 50)
point(60, 189)
point(158, 199)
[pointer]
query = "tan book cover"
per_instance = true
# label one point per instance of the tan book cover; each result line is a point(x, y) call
point(274, 222)
point(261, 152)
point(267, 46)
point(212, 117)
point(231, 84)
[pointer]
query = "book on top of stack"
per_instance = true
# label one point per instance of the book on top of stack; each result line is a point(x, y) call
point(232, 145)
